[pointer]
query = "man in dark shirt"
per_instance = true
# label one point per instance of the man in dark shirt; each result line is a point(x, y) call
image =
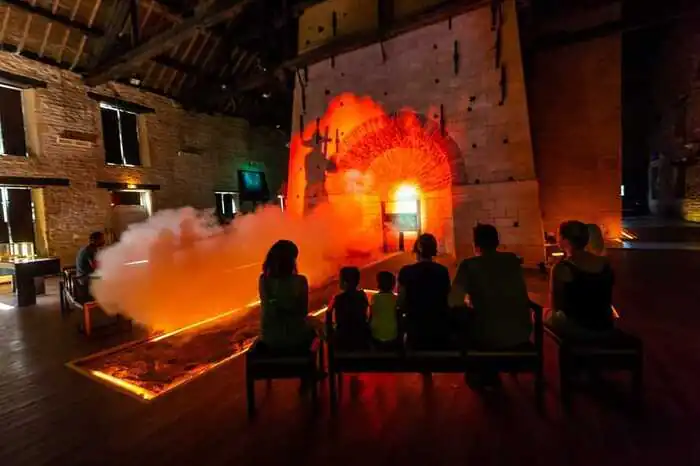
point(85, 261)
point(423, 291)
point(85, 264)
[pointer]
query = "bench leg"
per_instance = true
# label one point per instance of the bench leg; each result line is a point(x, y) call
point(333, 389)
point(250, 394)
point(62, 296)
point(565, 377)
point(87, 323)
point(638, 380)
point(539, 388)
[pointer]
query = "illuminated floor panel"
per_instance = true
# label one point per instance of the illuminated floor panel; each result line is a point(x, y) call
point(150, 368)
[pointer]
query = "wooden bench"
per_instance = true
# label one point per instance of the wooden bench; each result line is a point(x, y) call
point(526, 358)
point(618, 352)
point(265, 364)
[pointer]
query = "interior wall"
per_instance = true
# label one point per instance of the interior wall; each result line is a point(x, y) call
point(494, 180)
point(575, 109)
point(191, 155)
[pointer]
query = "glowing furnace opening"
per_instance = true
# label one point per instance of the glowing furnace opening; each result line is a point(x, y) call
point(401, 218)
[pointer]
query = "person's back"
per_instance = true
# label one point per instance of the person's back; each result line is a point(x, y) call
point(350, 309)
point(581, 287)
point(284, 298)
point(383, 320)
point(85, 260)
point(424, 287)
point(283, 303)
point(498, 295)
point(587, 292)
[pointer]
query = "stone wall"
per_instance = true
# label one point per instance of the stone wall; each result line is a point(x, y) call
point(218, 146)
point(676, 98)
point(575, 109)
point(498, 183)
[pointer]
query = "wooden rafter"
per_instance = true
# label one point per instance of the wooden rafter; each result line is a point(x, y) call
point(27, 25)
point(4, 25)
point(47, 31)
point(68, 30)
point(101, 48)
point(220, 11)
point(185, 54)
point(51, 15)
point(83, 39)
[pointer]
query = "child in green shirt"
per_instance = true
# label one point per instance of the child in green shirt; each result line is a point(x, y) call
point(383, 318)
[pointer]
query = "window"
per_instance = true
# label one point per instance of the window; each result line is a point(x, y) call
point(12, 137)
point(226, 204)
point(121, 136)
point(17, 221)
point(133, 197)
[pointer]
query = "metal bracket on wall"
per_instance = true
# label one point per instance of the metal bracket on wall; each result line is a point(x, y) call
point(306, 75)
point(496, 25)
point(301, 126)
point(337, 140)
point(498, 46)
point(455, 57)
point(303, 92)
point(503, 84)
point(318, 130)
point(381, 48)
point(449, 23)
point(496, 13)
point(334, 23)
point(333, 61)
point(442, 120)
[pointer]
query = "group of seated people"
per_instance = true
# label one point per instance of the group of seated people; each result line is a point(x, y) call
point(486, 305)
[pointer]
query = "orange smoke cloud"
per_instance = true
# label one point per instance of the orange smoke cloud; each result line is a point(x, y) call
point(178, 267)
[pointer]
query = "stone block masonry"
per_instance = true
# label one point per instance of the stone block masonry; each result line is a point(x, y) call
point(216, 147)
point(495, 179)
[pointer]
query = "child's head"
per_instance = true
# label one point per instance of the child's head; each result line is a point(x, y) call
point(349, 278)
point(386, 282)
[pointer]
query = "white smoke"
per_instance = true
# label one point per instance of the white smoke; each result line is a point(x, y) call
point(180, 267)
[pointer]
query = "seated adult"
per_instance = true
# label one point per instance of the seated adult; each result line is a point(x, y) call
point(284, 301)
point(423, 290)
point(86, 263)
point(493, 286)
point(580, 288)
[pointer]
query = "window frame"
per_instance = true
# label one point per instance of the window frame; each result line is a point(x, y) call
point(235, 200)
point(119, 111)
point(20, 90)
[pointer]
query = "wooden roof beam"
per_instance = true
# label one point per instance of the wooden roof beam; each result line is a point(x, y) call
point(347, 43)
point(54, 17)
point(219, 11)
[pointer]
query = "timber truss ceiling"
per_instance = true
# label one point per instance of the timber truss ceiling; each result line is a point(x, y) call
point(236, 57)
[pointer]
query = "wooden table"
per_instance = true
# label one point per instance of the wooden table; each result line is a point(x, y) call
point(25, 271)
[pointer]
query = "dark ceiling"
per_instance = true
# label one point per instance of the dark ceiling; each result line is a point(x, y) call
point(237, 57)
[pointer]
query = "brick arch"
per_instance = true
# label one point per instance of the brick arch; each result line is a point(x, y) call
point(431, 157)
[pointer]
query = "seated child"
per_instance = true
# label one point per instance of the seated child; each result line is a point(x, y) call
point(350, 311)
point(383, 320)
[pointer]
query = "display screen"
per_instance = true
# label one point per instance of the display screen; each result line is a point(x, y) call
point(403, 222)
point(252, 185)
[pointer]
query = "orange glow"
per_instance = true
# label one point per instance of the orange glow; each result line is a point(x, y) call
point(143, 393)
point(626, 235)
point(358, 153)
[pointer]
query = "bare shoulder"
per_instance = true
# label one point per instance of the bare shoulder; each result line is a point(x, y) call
point(561, 272)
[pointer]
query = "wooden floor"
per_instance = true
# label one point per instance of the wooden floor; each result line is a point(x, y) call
point(52, 415)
